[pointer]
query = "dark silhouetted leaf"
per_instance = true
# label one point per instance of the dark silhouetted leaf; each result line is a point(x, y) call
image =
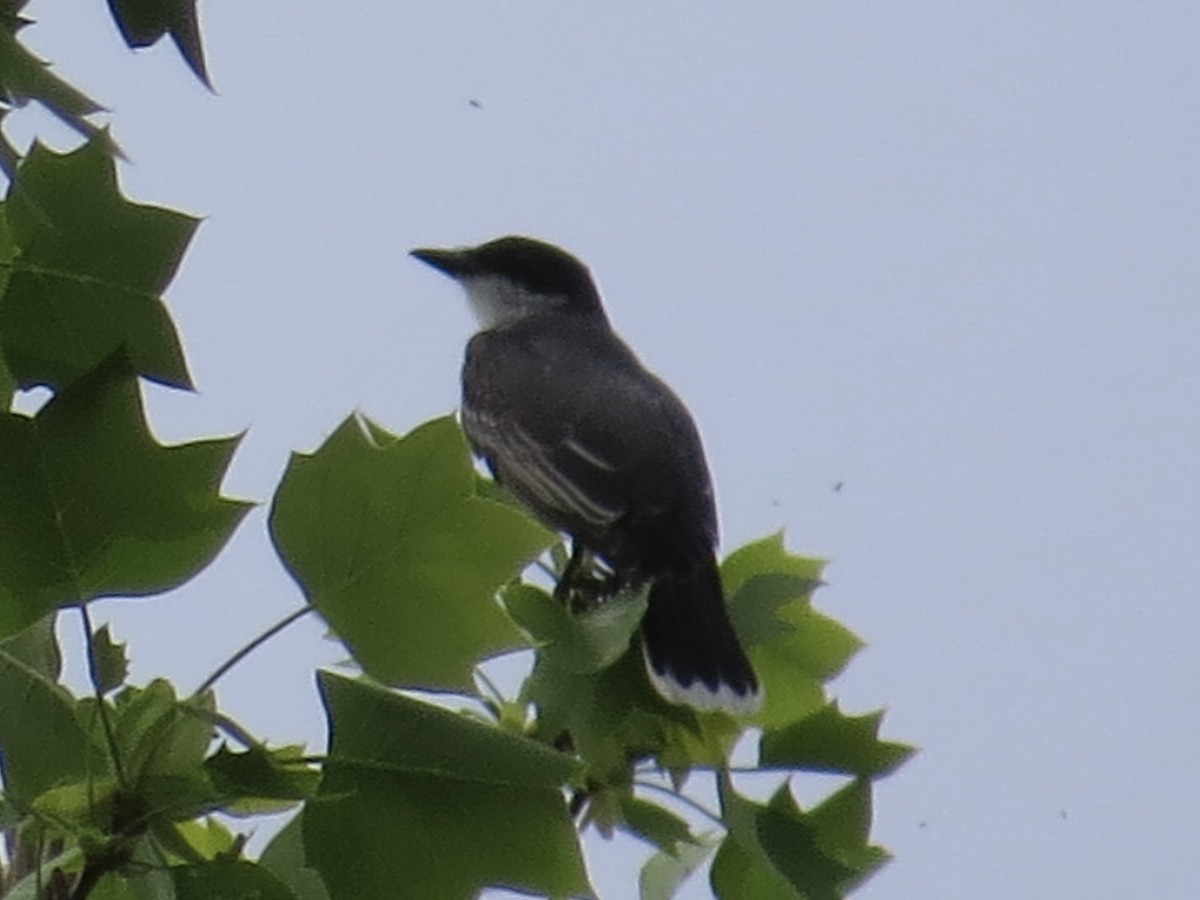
point(653, 823)
point(86, 270)
point(91, 506)
point(8, 253)
point(44, 744)
point(37, 647)
point(143, 22)
point(109, 660)
point(261, 774)
point(228, 879)
point(10, 156)
point(24, 77)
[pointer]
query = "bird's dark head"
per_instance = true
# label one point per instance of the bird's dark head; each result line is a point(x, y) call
point(515, 277)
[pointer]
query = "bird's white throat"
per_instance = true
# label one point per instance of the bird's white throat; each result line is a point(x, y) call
point(497, 301)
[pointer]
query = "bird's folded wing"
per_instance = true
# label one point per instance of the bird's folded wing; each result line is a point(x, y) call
point(561, 475)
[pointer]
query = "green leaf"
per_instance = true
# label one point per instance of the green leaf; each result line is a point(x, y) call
point(614, 717)
point(739, 872)
point(388, 539)
point(168, 799)
point(37, 647)
point(192, 841)
point(228, 879)
point(589, 682)
point(113, 886)
point(653, 823)
point(843, 823)
point(92, 506)
point(745, 869)
point(143, 22)
point(577, 642)
point(284, 857)
point(440, 803)
point(10, 156)
point(260, 774)
point(8, 384)
point(830, 741)
point(608, 710)
point(88, 273)
point(777, 850)
point(792, 843)
point(8, 252)
point(86, 806)
point(206, 838)
point(158, 735)
point(664, 873)
point(610, 717)
point(161, 742)
point(24, 77)
point(145, 875)
point(794, 648)
point(42, 741)
point(374, 727)
point(109, 660)
point(769, 556)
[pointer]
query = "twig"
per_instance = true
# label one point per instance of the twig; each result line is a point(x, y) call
point(110, 736)
point(685, 800)
point(249, 648)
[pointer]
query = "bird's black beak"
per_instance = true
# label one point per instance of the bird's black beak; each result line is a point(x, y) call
point(454, 263)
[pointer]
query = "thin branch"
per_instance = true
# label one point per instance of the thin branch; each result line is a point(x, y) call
point(312, 759)
point(110, 735)
point(249, 648)
point(684, 799)
point(88, 879)
point(489, 686)
point(237, 732)
point(755, 770)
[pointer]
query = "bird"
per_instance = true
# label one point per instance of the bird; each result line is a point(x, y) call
point(567, 418)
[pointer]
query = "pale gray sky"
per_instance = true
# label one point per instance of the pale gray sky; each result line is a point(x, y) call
point(945, 253)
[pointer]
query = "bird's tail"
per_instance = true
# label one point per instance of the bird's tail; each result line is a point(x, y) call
point(692, 652)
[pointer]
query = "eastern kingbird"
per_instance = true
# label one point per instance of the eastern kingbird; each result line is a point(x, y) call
point(568, 419)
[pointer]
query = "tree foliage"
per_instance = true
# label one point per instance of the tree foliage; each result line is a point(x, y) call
point(420, 568)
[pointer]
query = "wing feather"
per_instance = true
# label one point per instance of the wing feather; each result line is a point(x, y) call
point(532, 469)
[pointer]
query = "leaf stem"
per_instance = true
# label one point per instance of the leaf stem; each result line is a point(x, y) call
point(685, 800)
point(754, 770)
point(223, 723)
point(249, 648)
point(489, 686)
point(312, 759)
point(110, 735)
